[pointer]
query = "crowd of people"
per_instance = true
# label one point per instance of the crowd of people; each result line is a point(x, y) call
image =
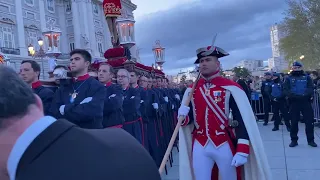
point(144, 106)
point(121, 122)
point(292, 97)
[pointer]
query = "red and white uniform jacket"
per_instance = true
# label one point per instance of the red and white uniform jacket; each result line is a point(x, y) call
point(211, 105)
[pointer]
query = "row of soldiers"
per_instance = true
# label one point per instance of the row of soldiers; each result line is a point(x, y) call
point(147, 110)
point(290, 97)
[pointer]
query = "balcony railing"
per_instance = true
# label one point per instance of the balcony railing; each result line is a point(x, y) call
point(10, 51)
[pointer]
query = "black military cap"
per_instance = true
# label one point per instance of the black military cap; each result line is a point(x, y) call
point(210, 51)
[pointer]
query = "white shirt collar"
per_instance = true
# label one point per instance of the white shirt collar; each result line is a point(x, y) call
point(24, 141)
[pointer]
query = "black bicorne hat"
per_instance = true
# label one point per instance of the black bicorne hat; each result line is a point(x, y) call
point(208, 51)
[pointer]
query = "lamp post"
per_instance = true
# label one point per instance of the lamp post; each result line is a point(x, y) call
point(159, 53)
point(40, 54)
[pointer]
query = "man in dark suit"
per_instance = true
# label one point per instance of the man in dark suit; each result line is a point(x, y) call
point(30, 73)
point(38, 147)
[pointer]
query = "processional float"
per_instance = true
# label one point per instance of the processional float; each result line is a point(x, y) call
point(122, 39)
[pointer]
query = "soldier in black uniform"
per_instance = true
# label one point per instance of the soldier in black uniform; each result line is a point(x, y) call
point(298, 88)
point(278, 103)
point(265, 91)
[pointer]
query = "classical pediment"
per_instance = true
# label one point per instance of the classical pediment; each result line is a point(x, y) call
point(7, 21)
point(32, 26)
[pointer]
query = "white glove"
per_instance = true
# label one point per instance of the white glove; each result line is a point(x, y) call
point(155, 105)
point(86, 100)
point(183, 110)
point(132, 97)
point(112, 95)
point(61, 109)
point(172, 106)
point(166, 99)
point(239, 160)
point(177, 96)
point(141, 101)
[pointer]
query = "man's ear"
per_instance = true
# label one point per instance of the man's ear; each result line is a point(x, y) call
point(39, 102)
point(87, 64)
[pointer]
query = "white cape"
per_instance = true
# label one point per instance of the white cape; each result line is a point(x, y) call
point(257, 167)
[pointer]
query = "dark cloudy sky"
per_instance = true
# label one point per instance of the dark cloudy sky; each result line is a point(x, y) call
point(182, 26)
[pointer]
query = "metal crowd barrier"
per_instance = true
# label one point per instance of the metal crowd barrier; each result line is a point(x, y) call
point(257, 104)
point(316, 105)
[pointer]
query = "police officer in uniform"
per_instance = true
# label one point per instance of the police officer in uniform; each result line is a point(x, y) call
point(298, 88)
point(278, 103)
point(265, 91)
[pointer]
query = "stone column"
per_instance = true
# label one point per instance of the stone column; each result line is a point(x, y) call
point(20, 29)
point(87, 26)
point(91, 29)
point(43, 22)
point(63, 45)
point(76, 23)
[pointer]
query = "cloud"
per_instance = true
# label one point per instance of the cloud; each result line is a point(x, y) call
point(242, 27)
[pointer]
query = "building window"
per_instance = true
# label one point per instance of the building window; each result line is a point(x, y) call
point(71, 45)
point(7, 36)
point(68, 6)
point(4, 8)
point(33, 39)
point(30, 15)
point(50, 5)
point(69, 22)
point(95, 9)
point(100, 48)
point(29, 2)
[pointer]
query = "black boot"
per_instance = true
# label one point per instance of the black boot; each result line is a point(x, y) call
point(312, 144)
point(275, 128)
point(293, 144)
point(281, 123)
point(265, 123)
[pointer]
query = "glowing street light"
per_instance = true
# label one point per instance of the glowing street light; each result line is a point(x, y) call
point(30, 48)
point(40, 42)
point(301, 57)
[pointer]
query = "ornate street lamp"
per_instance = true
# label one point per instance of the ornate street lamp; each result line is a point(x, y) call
point(38, 54)
point(159, 54)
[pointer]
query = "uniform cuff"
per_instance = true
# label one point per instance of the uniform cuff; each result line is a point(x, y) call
point(243, 147)
point(185, 121)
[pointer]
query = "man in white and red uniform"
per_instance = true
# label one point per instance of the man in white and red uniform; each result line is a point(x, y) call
point(220, 145)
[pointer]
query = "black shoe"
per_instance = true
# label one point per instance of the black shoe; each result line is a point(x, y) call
point(281, 123)
point(312, 144)
point(265, 124)
point(275, 129)
point(288, 128)
point(293, 144)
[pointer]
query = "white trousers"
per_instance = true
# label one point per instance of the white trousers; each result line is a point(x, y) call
point(204, 159)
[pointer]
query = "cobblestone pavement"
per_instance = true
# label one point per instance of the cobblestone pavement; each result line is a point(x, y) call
point(299, 163)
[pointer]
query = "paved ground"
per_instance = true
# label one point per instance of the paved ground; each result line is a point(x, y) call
point(299, 163)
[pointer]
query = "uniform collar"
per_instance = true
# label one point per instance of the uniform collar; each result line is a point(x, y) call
point(82, 78)
point(126, 88)
point(108, 84)
point(212, 76)
point(36, 84)
point(137, 86)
